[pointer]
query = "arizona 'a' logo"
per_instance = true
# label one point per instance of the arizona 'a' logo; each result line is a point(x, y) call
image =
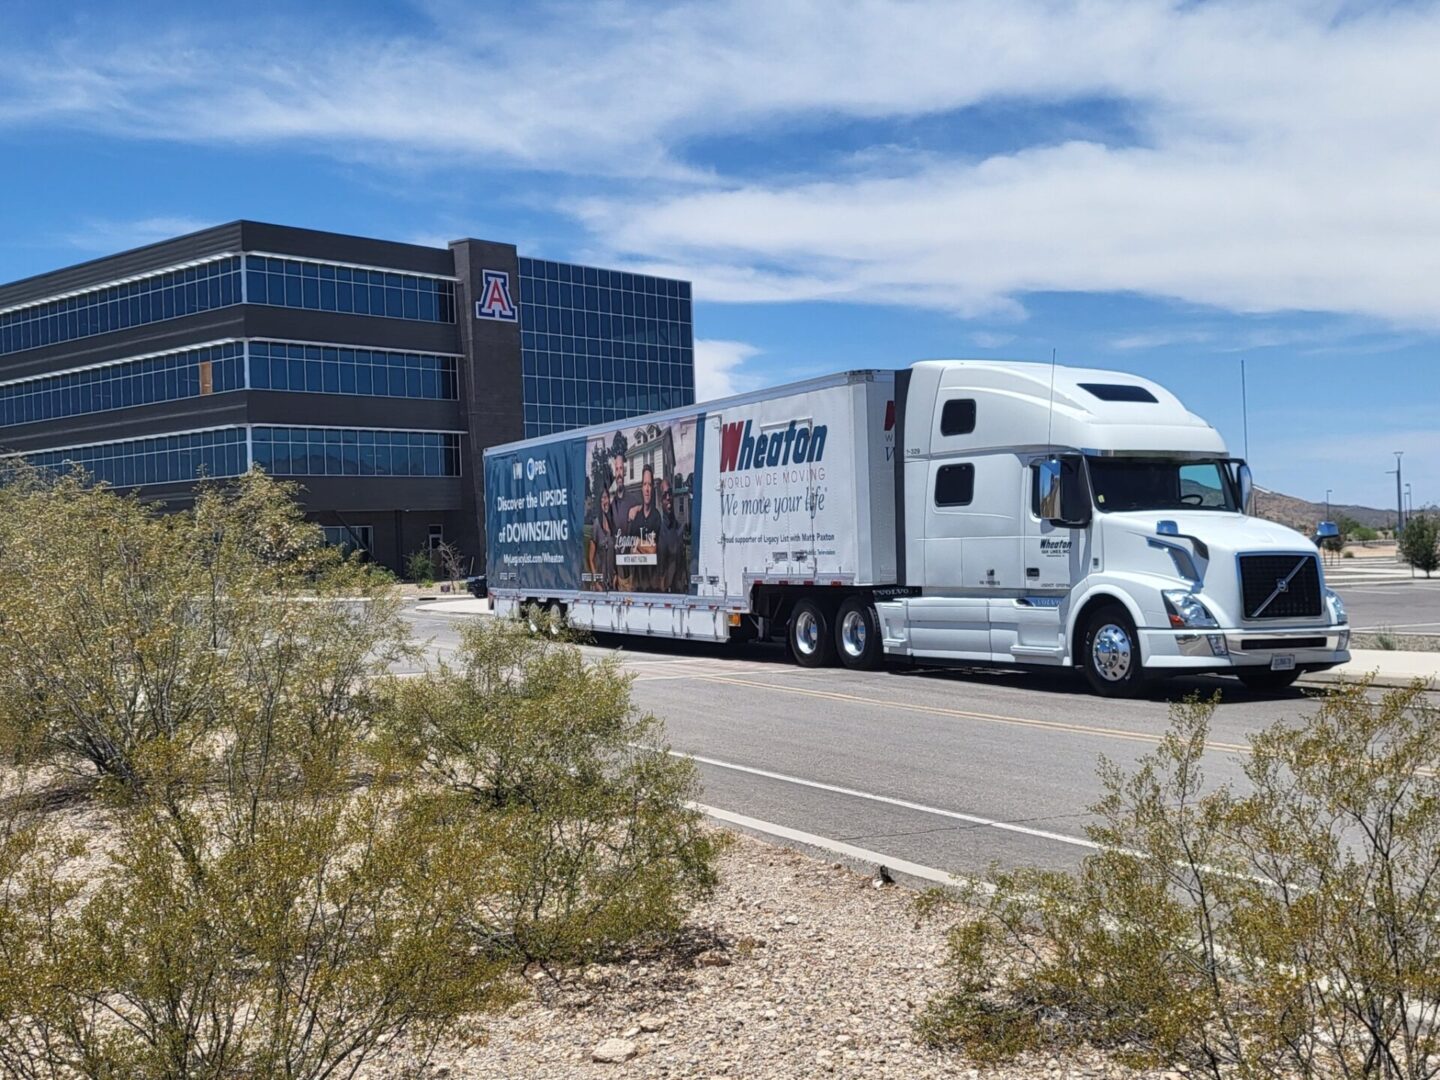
point(495, 302)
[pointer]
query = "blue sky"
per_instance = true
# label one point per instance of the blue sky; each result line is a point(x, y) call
point(1165, 188)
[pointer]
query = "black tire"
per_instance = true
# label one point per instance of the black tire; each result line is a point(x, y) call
point(1265, 681)
point(1110, 653)
point(858, 641)
point(811, 643)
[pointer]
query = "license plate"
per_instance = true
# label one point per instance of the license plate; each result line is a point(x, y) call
point(1282, 663)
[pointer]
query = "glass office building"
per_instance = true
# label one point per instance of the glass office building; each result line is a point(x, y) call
point(601, 345)
point(374, 373)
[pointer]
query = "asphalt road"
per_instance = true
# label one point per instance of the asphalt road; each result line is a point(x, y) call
point(953, 770)
point(1409, 606)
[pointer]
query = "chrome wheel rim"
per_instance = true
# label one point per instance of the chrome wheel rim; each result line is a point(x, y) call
point(852, 634)
point(807, 633)
point(1111, 652)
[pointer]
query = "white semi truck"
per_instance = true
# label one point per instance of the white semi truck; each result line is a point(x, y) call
point(960, 512)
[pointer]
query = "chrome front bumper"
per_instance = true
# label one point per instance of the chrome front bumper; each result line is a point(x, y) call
point(1312, 648)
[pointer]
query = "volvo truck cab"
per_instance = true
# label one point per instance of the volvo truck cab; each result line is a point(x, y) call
point(1064, 516)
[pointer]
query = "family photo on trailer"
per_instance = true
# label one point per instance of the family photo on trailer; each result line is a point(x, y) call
point(638, 497)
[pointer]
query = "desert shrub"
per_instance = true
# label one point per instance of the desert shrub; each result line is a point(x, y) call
point(35, 976)
point(286, 936)
point(124, 626)
point(1290, 929)
point(1420, 542)
point(420, 567)
point(589, 841)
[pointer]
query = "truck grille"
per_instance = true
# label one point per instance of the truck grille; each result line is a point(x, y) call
point(1280, 586)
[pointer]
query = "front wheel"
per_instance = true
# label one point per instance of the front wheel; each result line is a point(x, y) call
point(811, 643)
point(1263, 680)
point(857, 635)
point(1110, 653)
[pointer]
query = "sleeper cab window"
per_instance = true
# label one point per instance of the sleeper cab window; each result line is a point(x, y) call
point(955, 485)
point(958, 417)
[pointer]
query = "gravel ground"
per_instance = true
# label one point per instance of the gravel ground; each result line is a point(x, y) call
point(1369, 639)
point(796, 968)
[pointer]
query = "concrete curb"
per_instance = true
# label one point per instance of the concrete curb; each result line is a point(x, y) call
point(1387, 682)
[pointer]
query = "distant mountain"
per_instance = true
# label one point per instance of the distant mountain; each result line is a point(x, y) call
point(1303, 515)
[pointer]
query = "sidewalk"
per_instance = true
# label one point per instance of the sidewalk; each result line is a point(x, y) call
point(1391, 668)
point(468, 605)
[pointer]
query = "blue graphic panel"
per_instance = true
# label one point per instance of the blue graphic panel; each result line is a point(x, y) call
point(534, 532)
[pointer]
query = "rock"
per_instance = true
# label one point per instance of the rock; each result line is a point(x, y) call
point(613, 1051)
point(650, 1023)
point(630, 1032)
point(712, 959)
point(791, 920)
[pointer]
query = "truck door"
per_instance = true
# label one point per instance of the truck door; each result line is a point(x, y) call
point(1056, 560)
point(1053, 553)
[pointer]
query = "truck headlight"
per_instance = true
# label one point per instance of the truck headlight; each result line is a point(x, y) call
point(1337, 608)
point(1187, 611)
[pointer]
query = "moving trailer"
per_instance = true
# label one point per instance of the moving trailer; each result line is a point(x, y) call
point(958, 512)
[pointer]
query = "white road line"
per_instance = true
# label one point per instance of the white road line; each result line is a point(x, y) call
point(838, 847)
point(904, 804)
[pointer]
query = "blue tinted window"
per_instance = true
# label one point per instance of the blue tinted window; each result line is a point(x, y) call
point(577, 322)
point(165, 459)
point(214, 369)
point(296, 451)
point(151, 299)
point(300, 284)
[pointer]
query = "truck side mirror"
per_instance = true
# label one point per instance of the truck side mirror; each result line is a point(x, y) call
point(1327, 530)
point(1050, 489)
point(1247, 489)
point(1059, 493)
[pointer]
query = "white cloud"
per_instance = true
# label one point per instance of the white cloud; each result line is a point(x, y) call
point(988, 339)
point(718, 366)
point(1284, 156)
point(109, 236)
point(1159, 339)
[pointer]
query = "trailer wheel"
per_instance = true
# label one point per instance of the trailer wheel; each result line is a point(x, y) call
point(1110, 653)
point(555, 619)
point(857, 635)
point(811, 643)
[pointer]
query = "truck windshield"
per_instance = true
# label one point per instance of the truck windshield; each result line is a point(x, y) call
point(1123, 484)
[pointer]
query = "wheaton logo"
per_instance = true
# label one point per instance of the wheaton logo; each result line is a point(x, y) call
point(793, 446)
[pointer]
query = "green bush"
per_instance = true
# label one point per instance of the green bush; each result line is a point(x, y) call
point(420, 567)
point(589, 844)
point(126, 627)
point(300, 860)
point(1420, 542)
point(1289, 930)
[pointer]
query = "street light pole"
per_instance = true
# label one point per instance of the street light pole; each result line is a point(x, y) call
point(1327, 503)
point(1399, 498)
